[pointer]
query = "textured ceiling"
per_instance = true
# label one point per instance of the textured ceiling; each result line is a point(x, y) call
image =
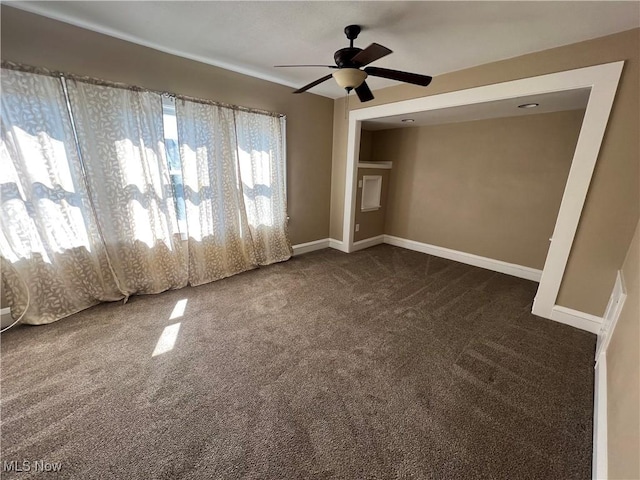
point(431, 38)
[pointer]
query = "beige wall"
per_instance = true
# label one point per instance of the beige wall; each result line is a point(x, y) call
point(366, 138)
point(612, 207)
point(372, 222)
point(490, 187)
point(623, 376)
point(39, 41)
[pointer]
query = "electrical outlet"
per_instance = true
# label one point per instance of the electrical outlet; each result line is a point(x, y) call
point(357, 227)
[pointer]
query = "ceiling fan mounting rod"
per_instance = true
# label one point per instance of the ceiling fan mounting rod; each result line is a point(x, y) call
point(352, 32)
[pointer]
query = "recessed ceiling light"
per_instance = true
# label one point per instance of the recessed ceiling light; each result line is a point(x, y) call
point(528, 105)
point(408, 120)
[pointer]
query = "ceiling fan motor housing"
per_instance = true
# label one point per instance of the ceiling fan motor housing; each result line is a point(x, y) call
point(343, 57)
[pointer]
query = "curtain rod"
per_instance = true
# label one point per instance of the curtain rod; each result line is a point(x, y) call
point(125, 86)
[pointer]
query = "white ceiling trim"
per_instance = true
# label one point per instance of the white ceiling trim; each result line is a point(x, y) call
point(138, 41)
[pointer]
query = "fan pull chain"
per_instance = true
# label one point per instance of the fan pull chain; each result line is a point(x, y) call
point(346, 105)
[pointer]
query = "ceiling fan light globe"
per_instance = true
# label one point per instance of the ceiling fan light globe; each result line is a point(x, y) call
point(349, 77)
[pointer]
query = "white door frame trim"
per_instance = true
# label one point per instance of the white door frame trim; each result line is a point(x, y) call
point(603, 81)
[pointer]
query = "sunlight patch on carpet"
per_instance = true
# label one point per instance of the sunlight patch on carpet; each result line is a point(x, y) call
point(178, 310)
point(167, 340)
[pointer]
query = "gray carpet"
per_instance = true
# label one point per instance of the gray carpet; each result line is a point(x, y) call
point(381, 364)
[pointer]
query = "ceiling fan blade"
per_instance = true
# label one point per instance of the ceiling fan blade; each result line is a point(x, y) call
point(289, 66)
point(370, 54)
point(414, 78)
point(364, 93)
point(313, 84)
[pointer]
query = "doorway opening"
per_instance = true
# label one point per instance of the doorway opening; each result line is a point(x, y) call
point(599, 81)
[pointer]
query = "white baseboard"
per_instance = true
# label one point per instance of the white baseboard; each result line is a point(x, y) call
point(335, 244)
point(367, 242)
point(611, 314)
point(310, 246)
point(338, 245)
point(599, 464)
point(576, 318)
point(468, 258)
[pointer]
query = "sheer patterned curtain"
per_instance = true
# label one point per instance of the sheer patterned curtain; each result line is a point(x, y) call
point(220, 242)
point(121, 139)
point(262, 171)
point(88, 208)
point(50, 243)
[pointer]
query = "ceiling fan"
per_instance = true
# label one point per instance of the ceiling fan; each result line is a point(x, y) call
point(349, 73)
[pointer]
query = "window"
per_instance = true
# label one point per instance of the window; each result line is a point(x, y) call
point(90, 194)
point(173, 158)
